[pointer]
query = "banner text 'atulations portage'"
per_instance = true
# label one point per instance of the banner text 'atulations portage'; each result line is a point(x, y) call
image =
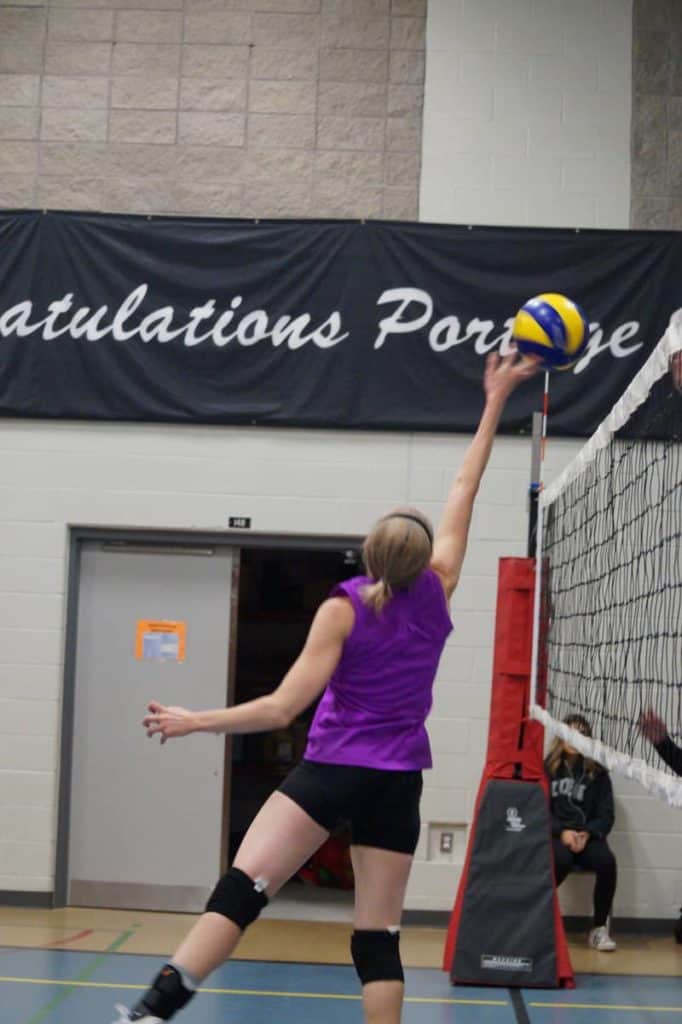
point(313, 324)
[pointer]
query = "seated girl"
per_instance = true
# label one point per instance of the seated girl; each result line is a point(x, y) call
point(581, 802)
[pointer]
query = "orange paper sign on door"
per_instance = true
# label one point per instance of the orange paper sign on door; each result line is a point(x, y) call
point(160, 640)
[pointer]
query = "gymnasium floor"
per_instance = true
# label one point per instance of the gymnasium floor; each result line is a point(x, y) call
point(71, 966)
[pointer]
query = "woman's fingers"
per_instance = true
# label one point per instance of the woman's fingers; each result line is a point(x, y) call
point(653, 727)
point(166, 721)
point(157, 728)
point(527, 364)
point(155, 723)
point(515, 363)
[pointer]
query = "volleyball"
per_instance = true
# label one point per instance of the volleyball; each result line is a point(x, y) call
point(552, 327)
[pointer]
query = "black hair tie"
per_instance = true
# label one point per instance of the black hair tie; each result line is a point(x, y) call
point(420, 522)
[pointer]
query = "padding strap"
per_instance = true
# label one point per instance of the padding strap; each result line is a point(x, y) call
point(166, 996)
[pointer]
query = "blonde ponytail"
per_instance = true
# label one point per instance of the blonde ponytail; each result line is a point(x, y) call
point(377, 595)
point(395, 552)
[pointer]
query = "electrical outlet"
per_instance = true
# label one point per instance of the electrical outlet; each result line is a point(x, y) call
point(446, 841)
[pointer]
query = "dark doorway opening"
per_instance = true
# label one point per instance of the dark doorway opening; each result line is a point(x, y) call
point(279, 592)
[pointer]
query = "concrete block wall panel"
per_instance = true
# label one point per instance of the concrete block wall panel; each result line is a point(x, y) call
point(286, 108)
point(657, 115)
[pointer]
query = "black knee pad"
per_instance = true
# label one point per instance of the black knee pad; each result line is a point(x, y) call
point(167, 995)
point(376, 955)
point(238, 898)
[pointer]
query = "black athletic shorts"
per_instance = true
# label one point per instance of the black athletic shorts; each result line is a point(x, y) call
point(381, 806)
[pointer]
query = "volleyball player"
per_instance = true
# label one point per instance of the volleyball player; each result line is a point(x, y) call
point(372, 654)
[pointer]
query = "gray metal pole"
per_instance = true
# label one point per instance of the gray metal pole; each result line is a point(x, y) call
point(535, 482)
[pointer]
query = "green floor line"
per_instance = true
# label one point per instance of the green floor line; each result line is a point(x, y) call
point(86, 973)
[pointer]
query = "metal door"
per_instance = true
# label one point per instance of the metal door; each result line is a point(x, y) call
point(146, 820)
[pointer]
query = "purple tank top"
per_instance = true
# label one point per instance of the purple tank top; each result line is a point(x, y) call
point(373, 711)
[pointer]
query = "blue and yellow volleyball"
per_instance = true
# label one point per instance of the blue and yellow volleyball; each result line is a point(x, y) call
point(552, 327)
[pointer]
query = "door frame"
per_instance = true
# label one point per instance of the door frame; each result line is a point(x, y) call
point(187, 540)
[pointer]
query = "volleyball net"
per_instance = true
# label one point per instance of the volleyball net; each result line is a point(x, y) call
point(610, 565)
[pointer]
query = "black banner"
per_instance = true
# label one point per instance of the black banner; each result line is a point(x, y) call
point(377, 325)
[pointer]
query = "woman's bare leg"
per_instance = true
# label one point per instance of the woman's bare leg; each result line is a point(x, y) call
point(280, 839)
point(380, 882)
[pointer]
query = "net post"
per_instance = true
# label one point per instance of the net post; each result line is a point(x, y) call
point(534, 487)
point(535, 645)
point(536, 455)
point(535, 525)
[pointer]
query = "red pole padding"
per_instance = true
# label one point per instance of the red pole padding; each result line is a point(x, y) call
point(515, 742)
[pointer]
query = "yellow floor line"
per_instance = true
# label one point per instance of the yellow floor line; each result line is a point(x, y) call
point(623, 1007)
point(254, 992)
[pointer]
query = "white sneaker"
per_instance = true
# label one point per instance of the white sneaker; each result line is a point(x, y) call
point(600, 939)
point(127, 1016)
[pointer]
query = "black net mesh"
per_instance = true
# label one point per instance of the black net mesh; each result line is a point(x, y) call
point(612, 552)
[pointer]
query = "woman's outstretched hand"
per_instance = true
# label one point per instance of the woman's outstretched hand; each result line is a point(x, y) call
point(168, 721)
point(503, 375)
point(653, 727)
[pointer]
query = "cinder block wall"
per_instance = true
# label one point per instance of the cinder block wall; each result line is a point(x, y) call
point(657, 114)
point(527, 113)
point(231, 108)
